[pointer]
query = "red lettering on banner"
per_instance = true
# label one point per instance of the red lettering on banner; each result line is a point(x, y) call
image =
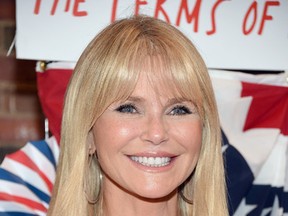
point(213, 20)
point(159, 8)
point(76, 12)
point(265, 15)
point(67, 6)
point(114, 8)
point(137, 5)
point(37, 7)
point(252, 9)
point(55, 4)
point(189, 17)
point(54, 7)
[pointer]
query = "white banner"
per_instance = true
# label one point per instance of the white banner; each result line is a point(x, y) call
point(230, 34)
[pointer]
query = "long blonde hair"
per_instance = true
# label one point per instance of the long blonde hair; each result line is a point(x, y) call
point(108, 71)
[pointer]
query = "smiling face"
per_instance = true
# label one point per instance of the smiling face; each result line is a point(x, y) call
point(149, 144)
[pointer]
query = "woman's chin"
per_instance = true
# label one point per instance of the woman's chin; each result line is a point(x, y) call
point(156, 196)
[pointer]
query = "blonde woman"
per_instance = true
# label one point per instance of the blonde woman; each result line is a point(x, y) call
point(140, 132)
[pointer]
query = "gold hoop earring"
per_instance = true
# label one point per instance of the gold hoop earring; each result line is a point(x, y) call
point(89, 197)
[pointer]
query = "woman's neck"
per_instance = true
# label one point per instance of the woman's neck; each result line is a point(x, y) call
point(119, 203)
point(139, 208)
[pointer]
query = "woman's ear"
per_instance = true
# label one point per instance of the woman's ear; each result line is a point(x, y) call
point(91, 143)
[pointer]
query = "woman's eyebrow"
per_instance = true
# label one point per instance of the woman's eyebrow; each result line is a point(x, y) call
point(169, 102)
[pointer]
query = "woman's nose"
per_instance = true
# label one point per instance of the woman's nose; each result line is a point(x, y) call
point(155, 130)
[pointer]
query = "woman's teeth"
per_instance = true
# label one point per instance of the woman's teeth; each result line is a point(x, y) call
point(152, 161)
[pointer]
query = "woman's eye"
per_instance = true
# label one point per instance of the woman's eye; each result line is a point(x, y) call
point(180, 110)
point(127, 108)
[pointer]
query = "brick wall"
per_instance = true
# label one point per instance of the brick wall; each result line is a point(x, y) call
point(21, 117)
